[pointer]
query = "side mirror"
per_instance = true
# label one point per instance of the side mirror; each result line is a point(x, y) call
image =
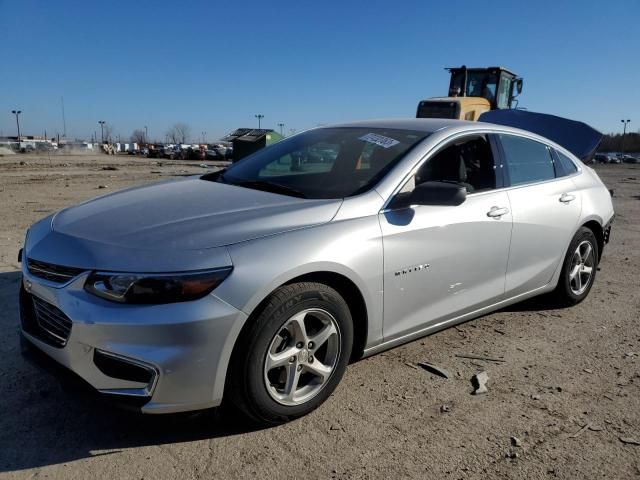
point(519, 82)
point(432, 193)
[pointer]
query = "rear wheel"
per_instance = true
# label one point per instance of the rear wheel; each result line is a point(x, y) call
point(579, 268)
point(293, 355)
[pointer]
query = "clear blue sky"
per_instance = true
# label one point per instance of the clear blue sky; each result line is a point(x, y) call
point(215, 64)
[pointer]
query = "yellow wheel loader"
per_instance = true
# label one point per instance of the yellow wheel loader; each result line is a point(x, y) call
point(473, 91)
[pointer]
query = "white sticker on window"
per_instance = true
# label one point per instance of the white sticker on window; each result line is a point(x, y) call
point(384, 142)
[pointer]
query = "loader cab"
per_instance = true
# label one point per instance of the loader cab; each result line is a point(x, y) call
point(497, 85)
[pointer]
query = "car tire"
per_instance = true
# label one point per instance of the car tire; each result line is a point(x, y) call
point(256, 382)
point(578, 269)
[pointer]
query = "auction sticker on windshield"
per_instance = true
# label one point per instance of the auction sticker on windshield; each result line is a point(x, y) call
point(381, 140)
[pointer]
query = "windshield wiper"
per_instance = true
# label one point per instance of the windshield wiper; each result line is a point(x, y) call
point(270, 187)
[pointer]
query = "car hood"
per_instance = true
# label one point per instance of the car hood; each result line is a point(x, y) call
point(189, 214)
point(170, 226)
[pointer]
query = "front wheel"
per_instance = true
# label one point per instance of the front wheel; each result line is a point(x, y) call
point(579, 268)
point(293, 354)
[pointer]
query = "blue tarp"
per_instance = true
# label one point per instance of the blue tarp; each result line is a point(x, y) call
point(577, 137)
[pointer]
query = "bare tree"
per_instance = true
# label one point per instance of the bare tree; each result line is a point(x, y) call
point(179, 133)
point(138, 137)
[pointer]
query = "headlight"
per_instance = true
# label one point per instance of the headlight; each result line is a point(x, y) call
point(154, 287)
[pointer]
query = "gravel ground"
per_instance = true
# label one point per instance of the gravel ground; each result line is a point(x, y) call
point(568, 388)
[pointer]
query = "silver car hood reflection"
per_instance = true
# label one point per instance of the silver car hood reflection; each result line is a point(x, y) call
point(190, 214)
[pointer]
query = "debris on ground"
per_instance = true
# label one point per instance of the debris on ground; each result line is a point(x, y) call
point(479, 382)
point(596, 428)
point(102, 186)
point(535, 397)
point(581, 431)
point(109, 167)
point(629, 441)
point(445, 409)
point(409, 364)
point(515, 442)
point(588, 370)
point(479, 357)
point(429, 367)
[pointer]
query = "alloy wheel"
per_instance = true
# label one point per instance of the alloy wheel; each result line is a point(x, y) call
point(582, 265)
point(302, 357)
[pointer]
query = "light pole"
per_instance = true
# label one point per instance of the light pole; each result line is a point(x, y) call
point(102, 122)
point(624, 133)
point(204, 135)
point(281, 125)
point(17, 114)
point(259, 116)
point(146, 135)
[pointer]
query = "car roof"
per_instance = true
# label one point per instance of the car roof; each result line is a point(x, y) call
point(432, 125)
point(428, 125)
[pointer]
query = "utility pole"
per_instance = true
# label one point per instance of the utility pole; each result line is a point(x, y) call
point(259, 116)
point(146, 135)
point(624, 133)
point(102, 122)
point(17, 114)
point(64, 120)
point(204, 134)
point(281, 125)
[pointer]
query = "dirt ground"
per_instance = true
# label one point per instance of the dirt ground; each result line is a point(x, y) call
point(568, 388)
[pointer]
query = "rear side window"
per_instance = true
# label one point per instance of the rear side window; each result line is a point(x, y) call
point(567, 166)
point(528, 161)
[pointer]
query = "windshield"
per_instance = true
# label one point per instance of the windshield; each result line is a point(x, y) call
point(323, 163)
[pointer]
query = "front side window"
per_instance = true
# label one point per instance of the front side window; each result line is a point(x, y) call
point(323, 163)
point(467, 161)
point(528, 161)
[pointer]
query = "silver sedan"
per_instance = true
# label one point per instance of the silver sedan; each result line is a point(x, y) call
point(258, 284)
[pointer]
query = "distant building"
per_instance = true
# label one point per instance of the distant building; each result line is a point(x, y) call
point(249, 140)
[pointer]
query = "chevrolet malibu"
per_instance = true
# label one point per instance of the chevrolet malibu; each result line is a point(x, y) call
point(258, 284)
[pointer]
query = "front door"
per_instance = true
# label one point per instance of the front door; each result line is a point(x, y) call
point(444, 261)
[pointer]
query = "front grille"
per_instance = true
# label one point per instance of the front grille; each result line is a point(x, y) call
point(51, 272)
point(43, 320)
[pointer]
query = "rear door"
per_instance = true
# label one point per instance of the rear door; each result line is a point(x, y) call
point(545, 208)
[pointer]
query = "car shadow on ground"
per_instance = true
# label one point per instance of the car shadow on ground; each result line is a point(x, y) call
point(48, 422)
point(45, 421)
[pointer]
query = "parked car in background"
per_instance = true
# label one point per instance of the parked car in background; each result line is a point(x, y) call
point(630, 159)
point(259, 283)
point(155, 150)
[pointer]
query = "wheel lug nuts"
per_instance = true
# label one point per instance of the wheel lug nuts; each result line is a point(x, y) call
point(299, 367)
point(310, 344)
point(292, 359)
point(310, 358)
point(299, 345)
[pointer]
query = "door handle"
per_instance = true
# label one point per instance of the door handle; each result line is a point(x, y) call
point(567, 198)
point(497, 212)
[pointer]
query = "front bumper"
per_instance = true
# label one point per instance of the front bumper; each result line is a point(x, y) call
point(167, 358)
